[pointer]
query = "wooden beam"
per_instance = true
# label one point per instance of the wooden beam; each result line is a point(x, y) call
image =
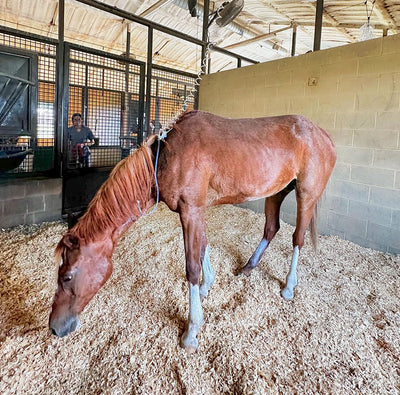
point(383, 13)
point(335, 25)
point(287, 19)
point(257, 38)
point(154, 7)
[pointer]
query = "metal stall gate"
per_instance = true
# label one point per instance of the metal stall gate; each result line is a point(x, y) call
point(27, 104)
point(108, 91)
point(171, 93)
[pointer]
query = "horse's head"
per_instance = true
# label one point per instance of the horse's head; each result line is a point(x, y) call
point(84, 268)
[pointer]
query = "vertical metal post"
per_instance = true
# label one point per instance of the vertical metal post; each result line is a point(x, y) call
point(204, 38)
point(60, 99)
point(85, 97)
point(141, 104)
point(294, 34)
point(125, 104)
point(156, 118)
point(318, 25)
point(148, 77)
point(63, 122)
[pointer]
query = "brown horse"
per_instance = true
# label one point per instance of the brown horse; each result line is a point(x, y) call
point(206, 160)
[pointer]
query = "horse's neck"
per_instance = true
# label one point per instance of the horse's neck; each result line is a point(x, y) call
point(118, 231)
point(121, 200)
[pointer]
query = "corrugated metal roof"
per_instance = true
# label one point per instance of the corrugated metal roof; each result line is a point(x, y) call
point(88, 26)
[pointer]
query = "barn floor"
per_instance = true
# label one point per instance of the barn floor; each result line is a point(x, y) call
point(340, 335)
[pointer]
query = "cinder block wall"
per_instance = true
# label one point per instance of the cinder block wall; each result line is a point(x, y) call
point(353, 92)
point(29, 201)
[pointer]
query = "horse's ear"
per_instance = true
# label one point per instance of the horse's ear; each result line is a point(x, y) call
point(70, 241)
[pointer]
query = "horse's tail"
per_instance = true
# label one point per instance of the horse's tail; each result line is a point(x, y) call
point(313, 228)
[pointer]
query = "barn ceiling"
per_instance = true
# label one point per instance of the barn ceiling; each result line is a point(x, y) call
point(262, 31)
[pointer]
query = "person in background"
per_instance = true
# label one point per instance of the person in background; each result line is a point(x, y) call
point(80, 138)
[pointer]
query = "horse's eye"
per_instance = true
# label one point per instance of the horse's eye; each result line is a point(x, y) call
point(67, 278)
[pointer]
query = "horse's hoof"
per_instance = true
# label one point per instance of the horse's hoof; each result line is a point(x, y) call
point(190, 344)
point(189, 349)
point(203, 295)
point(244, 271)
point(287, 293)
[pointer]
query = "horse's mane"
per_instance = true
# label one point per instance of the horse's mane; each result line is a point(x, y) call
point(116, 202)
point(186, 114)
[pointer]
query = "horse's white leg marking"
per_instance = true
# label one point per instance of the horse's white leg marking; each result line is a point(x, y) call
point(189, 341)
point(291, 279)
point(208, 274)
point(259, 251)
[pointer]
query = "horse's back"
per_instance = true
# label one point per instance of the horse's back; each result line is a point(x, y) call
point(281, 130)
point(235, 160)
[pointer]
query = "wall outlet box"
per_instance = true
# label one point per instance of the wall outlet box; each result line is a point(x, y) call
point(312, 81)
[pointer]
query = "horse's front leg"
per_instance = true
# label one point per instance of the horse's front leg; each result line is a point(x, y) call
point(193, 232)
point(189, 338)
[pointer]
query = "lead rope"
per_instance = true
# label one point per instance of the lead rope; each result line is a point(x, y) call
point(162, 134)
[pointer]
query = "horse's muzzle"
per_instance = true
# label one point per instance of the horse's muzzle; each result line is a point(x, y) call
point(63, 327)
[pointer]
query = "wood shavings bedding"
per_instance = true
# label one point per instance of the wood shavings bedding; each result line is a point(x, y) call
point(340, 334)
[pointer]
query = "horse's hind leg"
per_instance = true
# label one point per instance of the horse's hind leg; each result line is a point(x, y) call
point(272, 208)
point(306, 204)
point(291, 279)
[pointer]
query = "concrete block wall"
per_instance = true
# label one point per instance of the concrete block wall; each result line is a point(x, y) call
point(353, 92)
point(29, 202)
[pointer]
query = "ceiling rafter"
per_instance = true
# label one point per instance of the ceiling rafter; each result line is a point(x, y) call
point(124, 27)
point(257, 38)
point(385, 15)
point(334, 23)
point(53, 22)
point(378, 26)
point(289, 20)
point(153, 8)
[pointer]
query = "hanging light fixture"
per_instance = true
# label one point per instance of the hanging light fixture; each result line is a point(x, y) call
point(367, 30)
